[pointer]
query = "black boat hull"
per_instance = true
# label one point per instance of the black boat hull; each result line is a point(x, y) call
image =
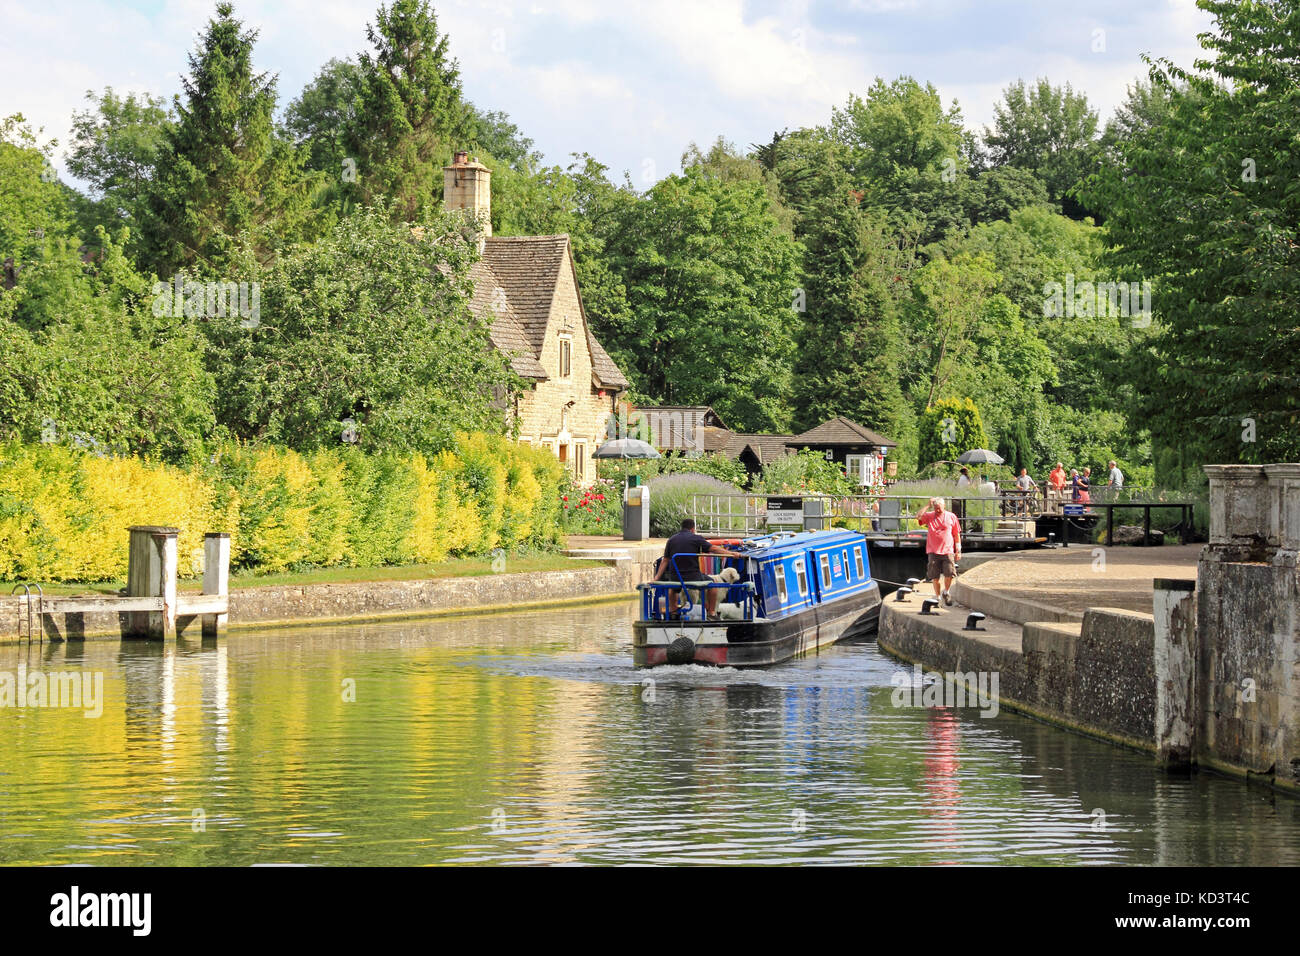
point(755, 643)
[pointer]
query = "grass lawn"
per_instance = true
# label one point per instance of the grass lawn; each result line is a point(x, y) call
point(454, 568)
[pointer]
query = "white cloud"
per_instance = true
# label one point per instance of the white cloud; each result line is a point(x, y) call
point(625, 82)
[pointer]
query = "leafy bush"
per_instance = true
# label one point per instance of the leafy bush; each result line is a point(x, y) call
point(64, 513)
point(806, 472)
point(594, 510)
point(671, 499)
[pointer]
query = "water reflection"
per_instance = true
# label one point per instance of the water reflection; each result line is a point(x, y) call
point(530, 738)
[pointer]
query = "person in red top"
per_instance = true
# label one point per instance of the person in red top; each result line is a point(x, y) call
point(1057, 477)
point(942, 546)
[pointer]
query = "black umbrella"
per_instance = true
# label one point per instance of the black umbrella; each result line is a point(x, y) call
point(980, 456)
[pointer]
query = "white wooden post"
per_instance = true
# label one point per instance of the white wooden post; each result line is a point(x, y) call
point(152, 567)
point(216, 577)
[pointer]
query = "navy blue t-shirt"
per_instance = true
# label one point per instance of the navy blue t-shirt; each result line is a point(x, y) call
point(686, 542)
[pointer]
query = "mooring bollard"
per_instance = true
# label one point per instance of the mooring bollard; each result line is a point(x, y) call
point(216, 577)
point(151, 572)
point(1177, 707)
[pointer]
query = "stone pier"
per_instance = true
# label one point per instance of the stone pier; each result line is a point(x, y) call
point(1248, 624)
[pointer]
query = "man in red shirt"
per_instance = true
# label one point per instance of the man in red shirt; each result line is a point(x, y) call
point(942, 546)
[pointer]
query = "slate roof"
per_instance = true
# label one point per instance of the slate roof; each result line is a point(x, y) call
point(527, 268)
point(604, 368)
point(506, 331)
point(766, 448)
point(840, 431)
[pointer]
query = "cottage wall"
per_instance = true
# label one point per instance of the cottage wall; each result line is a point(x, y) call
point(542, 414)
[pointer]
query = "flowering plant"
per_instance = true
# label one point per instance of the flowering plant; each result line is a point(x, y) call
point(595, 509)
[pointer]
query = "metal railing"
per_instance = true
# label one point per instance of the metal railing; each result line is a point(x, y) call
point(1003, 515)
point(33, 630)
point(653, 591)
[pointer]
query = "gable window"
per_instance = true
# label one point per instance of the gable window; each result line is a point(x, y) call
point(566, 357)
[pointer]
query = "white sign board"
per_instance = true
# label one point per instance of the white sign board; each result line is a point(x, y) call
point(784, 511)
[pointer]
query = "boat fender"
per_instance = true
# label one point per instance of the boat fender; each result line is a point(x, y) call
point(681, 651)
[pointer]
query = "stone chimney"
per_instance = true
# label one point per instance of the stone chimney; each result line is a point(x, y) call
point(468, 185)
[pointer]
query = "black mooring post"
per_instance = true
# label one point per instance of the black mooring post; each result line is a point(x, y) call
point(1146, 527)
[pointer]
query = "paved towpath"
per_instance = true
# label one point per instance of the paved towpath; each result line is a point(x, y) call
point(1079, 577)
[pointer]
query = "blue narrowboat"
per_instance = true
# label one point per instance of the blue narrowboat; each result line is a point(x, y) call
point(792, 593)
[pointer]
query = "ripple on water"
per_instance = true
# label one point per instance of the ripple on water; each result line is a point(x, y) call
point(531, 738)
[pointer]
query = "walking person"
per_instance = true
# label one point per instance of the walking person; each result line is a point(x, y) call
point(1116, 477)
point(942, 546)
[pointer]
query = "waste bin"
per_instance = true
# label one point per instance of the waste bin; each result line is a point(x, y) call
point(636, 511)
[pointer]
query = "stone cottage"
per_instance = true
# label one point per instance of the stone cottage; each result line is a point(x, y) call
point(527, 287)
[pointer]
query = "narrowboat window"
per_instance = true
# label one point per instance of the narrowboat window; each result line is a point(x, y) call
point(826, 570)
point(781, 592)
point(857, 561)
point(801, 573)
point(847, 573)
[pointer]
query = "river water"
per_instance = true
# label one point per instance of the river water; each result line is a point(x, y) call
point(529, 738)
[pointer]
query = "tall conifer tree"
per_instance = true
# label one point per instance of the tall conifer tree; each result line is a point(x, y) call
point(226, 184)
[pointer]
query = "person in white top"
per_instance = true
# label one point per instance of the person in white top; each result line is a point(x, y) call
point(1116, 477)
point(1025, 485)
point(963, 479)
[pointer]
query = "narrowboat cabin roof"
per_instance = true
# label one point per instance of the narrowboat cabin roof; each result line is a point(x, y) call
point(800, 541)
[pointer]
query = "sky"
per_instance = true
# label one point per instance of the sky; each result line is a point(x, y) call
point(632, 83)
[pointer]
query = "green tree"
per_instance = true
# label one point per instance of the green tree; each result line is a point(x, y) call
point(493, 133)
point(409, 114)
point(949, 297)
point(896, 133)
point(1049, 130)
point(848, 345)
point(82, 358)
point(1016, 449)
point(320, 117)
point(115, 146)
point(225, 181)
point(948, 428)
point(711, 279)
point(370, 324)
point(1202, 203)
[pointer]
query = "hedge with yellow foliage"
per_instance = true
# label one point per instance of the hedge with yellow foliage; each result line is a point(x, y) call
point(64, 512)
